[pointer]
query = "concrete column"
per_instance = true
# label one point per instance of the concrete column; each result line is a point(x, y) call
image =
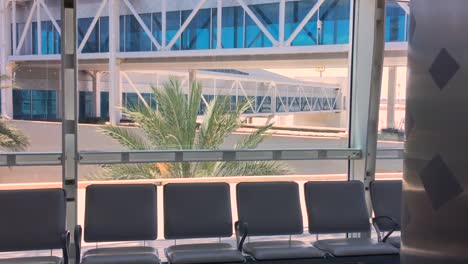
point(435, 186)
point(392, 71)
point(6, 67)
point(7, 93)
point(115, 88)
point(70, 156)
point(97, 94)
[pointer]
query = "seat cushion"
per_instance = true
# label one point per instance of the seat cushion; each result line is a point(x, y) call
point(394, 241)
point(33, 260)
point(272, 250)
point(203, 253)
point(121, 255)
point(355, 247)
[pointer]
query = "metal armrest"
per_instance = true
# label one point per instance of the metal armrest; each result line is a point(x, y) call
point(65, 246)
point(376, 226)
point(78, 233)
point(242, 231)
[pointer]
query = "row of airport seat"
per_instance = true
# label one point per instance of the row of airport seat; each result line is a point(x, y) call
point(35, 220)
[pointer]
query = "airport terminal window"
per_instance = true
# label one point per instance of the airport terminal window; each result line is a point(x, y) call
point(105, 104)
point(156, 27)
point(295, 13)
point(263, 104)
point(232, 27)
point(34, 104)
point(104, 34)
point(268, 15)
point(136, 38)
point(239, 30)
point(92, 45)
point(86, 104)
point(50, 38)
point(335, 16)
point(172, 26)
point(395, 23)
point(197, 33)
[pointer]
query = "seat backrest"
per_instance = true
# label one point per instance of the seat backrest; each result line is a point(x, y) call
point(32, 219)
point(386, 200)
point(120, 212)
point(336, 207)
point(197, 210)
point(270, 208)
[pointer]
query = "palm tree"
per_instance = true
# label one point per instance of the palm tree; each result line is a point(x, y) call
point(174, 126)
point(11, 138)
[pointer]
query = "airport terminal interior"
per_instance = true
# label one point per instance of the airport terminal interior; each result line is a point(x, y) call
point(233, 131)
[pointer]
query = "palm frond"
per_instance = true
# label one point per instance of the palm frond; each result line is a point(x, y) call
point(11, 137)
point(125, 137)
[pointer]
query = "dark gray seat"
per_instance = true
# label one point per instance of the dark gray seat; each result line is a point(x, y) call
point(386, 199)
point(33, 220)
point(199, 210)
point(272, 209)
point(121, 212)
point(340, 207)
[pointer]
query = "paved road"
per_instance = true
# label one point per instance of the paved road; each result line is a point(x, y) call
point(46, 137)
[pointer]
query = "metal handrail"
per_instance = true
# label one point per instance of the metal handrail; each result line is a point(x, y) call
point(149, 156)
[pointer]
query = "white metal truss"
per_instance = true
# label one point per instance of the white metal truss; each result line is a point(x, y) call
point(304, 21)
point(185, 24)
point(257, 21)
point(51, 17)
point(92, 26)
point(142, 24)
point(125, 75)
point(26, 27)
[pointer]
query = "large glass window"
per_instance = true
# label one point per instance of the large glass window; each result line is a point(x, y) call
point(396, 23)
point(197, 34)
point(334, 16)
point(104, 34)
point(50, 38)
point(232, 27)
point(172, 26)
point(268, 14)
point(295, 13)
point(92, 44)
point(34, 104)
point(136, 38)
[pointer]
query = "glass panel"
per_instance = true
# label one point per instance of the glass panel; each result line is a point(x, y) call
point(232, 27)
point(197, 33)
point(104, 34)
point(334, 15)
point(157, 28)
point(392, 116)
point(105, 105)
point(295, 13)
point(172, 26)
point(92, 45)
point(268, 14)
point(136, 38)
point(395, 23)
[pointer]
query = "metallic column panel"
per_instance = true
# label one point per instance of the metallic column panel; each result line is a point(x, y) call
point(435, 198)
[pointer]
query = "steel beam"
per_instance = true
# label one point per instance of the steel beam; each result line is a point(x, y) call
point(69, 77)
point(115, 89)
point(365, 82)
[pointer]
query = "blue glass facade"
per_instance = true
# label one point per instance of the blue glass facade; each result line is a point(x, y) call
point(330, 25)
point(396, 23)
point(50, 43)
point(34, 104)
